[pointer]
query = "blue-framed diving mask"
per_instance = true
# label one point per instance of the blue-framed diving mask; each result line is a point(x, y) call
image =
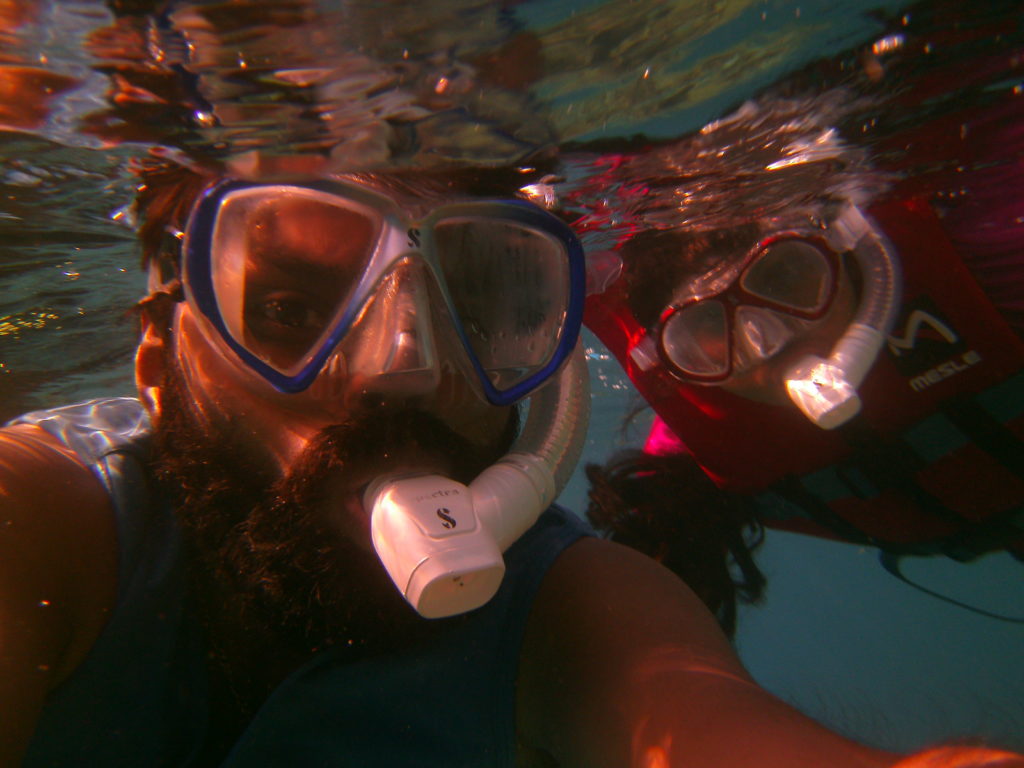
point(285, 271)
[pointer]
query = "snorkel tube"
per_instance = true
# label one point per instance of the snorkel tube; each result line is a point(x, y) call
point(441, 542)
point(825, 390)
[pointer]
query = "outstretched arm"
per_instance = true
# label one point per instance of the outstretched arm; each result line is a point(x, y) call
point(624, 666)
point(58, 574)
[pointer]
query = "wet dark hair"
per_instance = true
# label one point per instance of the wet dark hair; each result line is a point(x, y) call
point(273, 579)
point(669, 509)
point(657, 262)
point(166, 194)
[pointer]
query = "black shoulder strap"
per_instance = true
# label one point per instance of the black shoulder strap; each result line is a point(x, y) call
point(891, 563)
point(892, 463)
point(987, 432)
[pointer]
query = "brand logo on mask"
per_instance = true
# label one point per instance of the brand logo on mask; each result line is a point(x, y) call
point(918, 318)
point(929, 349)
point(446, 517)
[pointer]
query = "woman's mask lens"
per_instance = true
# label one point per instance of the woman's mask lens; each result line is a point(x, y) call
point(790, 273)
point(696, 339)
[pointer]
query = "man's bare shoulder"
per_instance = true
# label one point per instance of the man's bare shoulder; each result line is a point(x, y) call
point(56, 522)
point(58, 572)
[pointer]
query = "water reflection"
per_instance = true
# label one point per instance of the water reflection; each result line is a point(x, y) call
point(367, 84)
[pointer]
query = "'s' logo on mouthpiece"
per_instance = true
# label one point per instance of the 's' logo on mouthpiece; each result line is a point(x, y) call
point(446, 517)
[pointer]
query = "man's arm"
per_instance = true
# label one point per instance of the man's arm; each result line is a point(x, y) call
point(624, 666)
point(58, 574)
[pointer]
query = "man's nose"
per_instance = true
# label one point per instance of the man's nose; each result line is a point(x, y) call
point(392, 347)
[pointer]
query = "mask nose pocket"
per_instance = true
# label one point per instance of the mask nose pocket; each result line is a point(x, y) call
point(405, 308)
point(392, 343)
point(764, 332)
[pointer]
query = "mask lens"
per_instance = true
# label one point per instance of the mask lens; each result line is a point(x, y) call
point(791, 273)
point(283, 261)
point(696, 339)
point(509, 286)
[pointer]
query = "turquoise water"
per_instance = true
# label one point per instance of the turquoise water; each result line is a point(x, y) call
point(837, 636)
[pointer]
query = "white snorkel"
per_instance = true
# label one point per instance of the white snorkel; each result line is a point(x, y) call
point(825, 390)
point(442, 542)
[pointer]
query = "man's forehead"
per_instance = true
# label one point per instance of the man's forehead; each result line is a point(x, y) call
point(417, 192)
point(313, 227)
point(276, 211)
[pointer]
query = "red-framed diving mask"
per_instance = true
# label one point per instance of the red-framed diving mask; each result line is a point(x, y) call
point(736, 313)
point(739, 315)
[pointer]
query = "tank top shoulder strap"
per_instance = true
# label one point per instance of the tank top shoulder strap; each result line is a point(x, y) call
point(94, 428)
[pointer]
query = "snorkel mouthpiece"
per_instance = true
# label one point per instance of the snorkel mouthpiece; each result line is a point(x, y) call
point(825, 390)
point(432, 544)
point(441, 542)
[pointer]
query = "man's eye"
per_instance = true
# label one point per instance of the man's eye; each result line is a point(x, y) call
point(290, 313)
point(276, 313)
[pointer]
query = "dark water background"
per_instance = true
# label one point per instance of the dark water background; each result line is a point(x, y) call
point(87, 87)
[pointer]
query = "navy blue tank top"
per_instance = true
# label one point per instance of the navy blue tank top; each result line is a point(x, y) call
point(140, 699)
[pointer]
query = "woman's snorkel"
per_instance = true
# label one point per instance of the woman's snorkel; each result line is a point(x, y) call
point(825, 390)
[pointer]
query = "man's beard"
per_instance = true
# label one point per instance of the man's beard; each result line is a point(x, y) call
point(273, 578)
